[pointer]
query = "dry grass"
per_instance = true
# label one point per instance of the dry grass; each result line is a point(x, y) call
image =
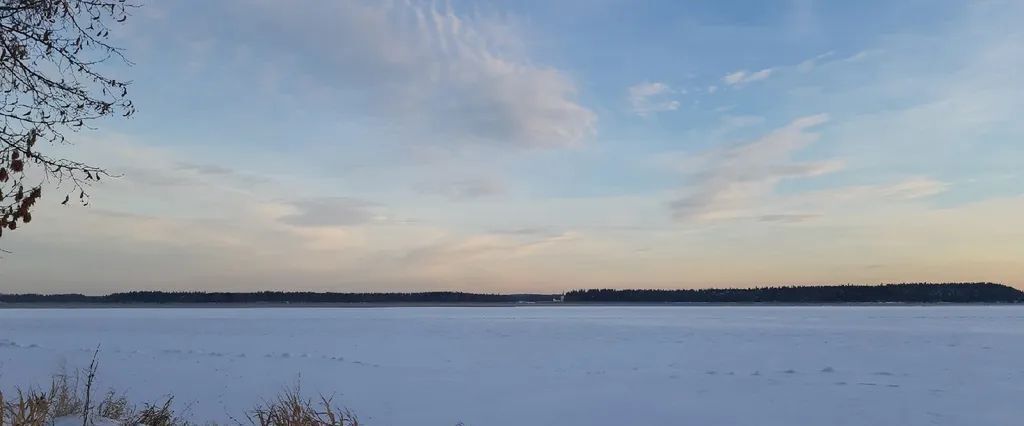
point(66, 397)
point(290, 408)
point(69, 396)
point(63, 399)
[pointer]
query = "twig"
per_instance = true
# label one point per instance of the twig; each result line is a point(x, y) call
point(88, 386)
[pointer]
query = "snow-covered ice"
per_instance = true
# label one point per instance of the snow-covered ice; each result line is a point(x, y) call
point(562, 365)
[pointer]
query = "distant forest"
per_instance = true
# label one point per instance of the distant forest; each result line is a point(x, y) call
point(887, 293)
point(276, 297)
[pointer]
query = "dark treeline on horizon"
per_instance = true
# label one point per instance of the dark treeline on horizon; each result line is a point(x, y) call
point(275, 297)
point(886, 293)
point(894, 293)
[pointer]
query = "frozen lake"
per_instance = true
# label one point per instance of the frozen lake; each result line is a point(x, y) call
point(566, 366)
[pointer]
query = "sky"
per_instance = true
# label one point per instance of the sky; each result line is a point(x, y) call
point(541, 146)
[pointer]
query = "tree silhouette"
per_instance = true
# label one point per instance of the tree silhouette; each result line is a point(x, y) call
point(888, 293)
point(51, 85)
point(896, 293)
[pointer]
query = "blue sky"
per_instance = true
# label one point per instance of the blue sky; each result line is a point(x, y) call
point(542, 146)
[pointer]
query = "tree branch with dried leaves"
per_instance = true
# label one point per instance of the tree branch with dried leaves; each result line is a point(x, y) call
point(50, 87)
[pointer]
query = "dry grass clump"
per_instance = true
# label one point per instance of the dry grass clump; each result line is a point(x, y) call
point(66, 399)
point(69, 401)
point(291, 409)
point(69, 397)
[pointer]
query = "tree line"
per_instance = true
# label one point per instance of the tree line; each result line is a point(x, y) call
point(275, 297)
point(887, 293)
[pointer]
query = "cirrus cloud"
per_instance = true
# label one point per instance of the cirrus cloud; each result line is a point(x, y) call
point(331, 211)
point(464, 78)
point(742, 77)
point(651, 97)
point(726, 182)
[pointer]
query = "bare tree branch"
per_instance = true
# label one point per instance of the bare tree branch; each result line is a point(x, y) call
point(50, 86)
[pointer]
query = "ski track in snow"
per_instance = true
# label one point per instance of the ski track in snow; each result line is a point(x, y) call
point(566, 366)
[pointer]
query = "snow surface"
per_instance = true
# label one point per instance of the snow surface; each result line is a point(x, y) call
point(566, 366)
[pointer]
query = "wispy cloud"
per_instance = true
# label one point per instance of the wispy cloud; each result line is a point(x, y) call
point(331, 211)
point(830, 58)
point(727, 182)
point(810, 63)
point(731, 122)
point(497, 246)
point(788, 217)
point(907, 189)
point(463, 77)
point(466, 189)
point(743, 77)
point(652, 97)
point(206, 169)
